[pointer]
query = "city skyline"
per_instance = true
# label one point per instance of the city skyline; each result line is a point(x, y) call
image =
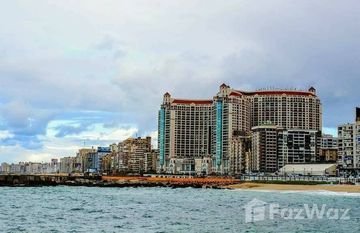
point(72, 77)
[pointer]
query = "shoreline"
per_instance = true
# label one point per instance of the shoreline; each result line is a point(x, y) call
point(113, 181)
point(138, 181)
point(294, 187)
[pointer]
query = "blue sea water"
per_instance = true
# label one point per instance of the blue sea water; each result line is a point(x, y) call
point(92, 209)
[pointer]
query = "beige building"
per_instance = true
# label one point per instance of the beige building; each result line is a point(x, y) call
point(184, 133)
point(136, 155)
point(193, 129)
point(328, 155)
point(82, 157)
point(264, 153)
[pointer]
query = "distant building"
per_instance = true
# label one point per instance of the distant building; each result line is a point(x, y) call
point(136, 155)
point(349, 144)
point(150, 161)
point(54, 166)
point(107, 163)
point(84, 158)
point(67, 164)
point(328, 149)
point(114, 148)
point(5, 168)
point(31, 168)
point(329, 155)
point(328, 141)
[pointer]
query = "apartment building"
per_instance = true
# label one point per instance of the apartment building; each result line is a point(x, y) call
point(349, 144)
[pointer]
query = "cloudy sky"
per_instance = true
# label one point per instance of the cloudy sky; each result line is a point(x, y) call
point(94, 72)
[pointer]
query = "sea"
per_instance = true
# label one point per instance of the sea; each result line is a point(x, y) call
point(94, 209)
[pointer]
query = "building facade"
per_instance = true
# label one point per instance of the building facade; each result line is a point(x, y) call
point(220, 128)
point(298, 147)
point(349, 144)
point(136, 155)
point(273, 147)
point(328, 141)
point(329, 149)
point(264, 154)
point(185, 128)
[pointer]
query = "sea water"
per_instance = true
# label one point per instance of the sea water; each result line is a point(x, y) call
point(93, 209)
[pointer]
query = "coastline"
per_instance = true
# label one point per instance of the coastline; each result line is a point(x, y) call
point(137, 181)
point(295, 187)
point(114, 181)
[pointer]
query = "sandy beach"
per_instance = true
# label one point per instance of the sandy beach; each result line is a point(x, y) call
point(291, 187)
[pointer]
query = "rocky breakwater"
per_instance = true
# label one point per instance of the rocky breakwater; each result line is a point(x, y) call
point(42, 180)
point(184, 182)
point(113, 181)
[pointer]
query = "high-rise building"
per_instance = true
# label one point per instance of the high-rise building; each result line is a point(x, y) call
point(84, 158)
point(136, 154)
point(273, 147)
point(231, 120)
point(297, 146)
point(218, 128)
point(240, 150)
point(286, 108)
point(349, 144)
point(241, 111)
point(185, 128)
point(264, 154)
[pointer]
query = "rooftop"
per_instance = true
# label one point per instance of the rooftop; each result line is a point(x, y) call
point(191, 101)
point(273, 92)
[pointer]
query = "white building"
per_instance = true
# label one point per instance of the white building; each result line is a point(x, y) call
point(273, 147)
point(309, 169)
point(5, 168)
point(296, 146)
point(349, 145)
point(328, 141)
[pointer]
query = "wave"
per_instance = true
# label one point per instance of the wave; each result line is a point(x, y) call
point(307, 192)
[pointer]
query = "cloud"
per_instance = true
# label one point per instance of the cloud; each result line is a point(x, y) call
point(70, 130)
point(99, 133)
point(5, 134)
point(80, 68)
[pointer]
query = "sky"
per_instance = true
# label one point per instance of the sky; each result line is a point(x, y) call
point(89, 73)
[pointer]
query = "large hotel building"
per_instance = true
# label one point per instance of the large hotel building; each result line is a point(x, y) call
point(220, 135)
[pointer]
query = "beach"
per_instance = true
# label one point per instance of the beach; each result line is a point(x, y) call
point(293, 187)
